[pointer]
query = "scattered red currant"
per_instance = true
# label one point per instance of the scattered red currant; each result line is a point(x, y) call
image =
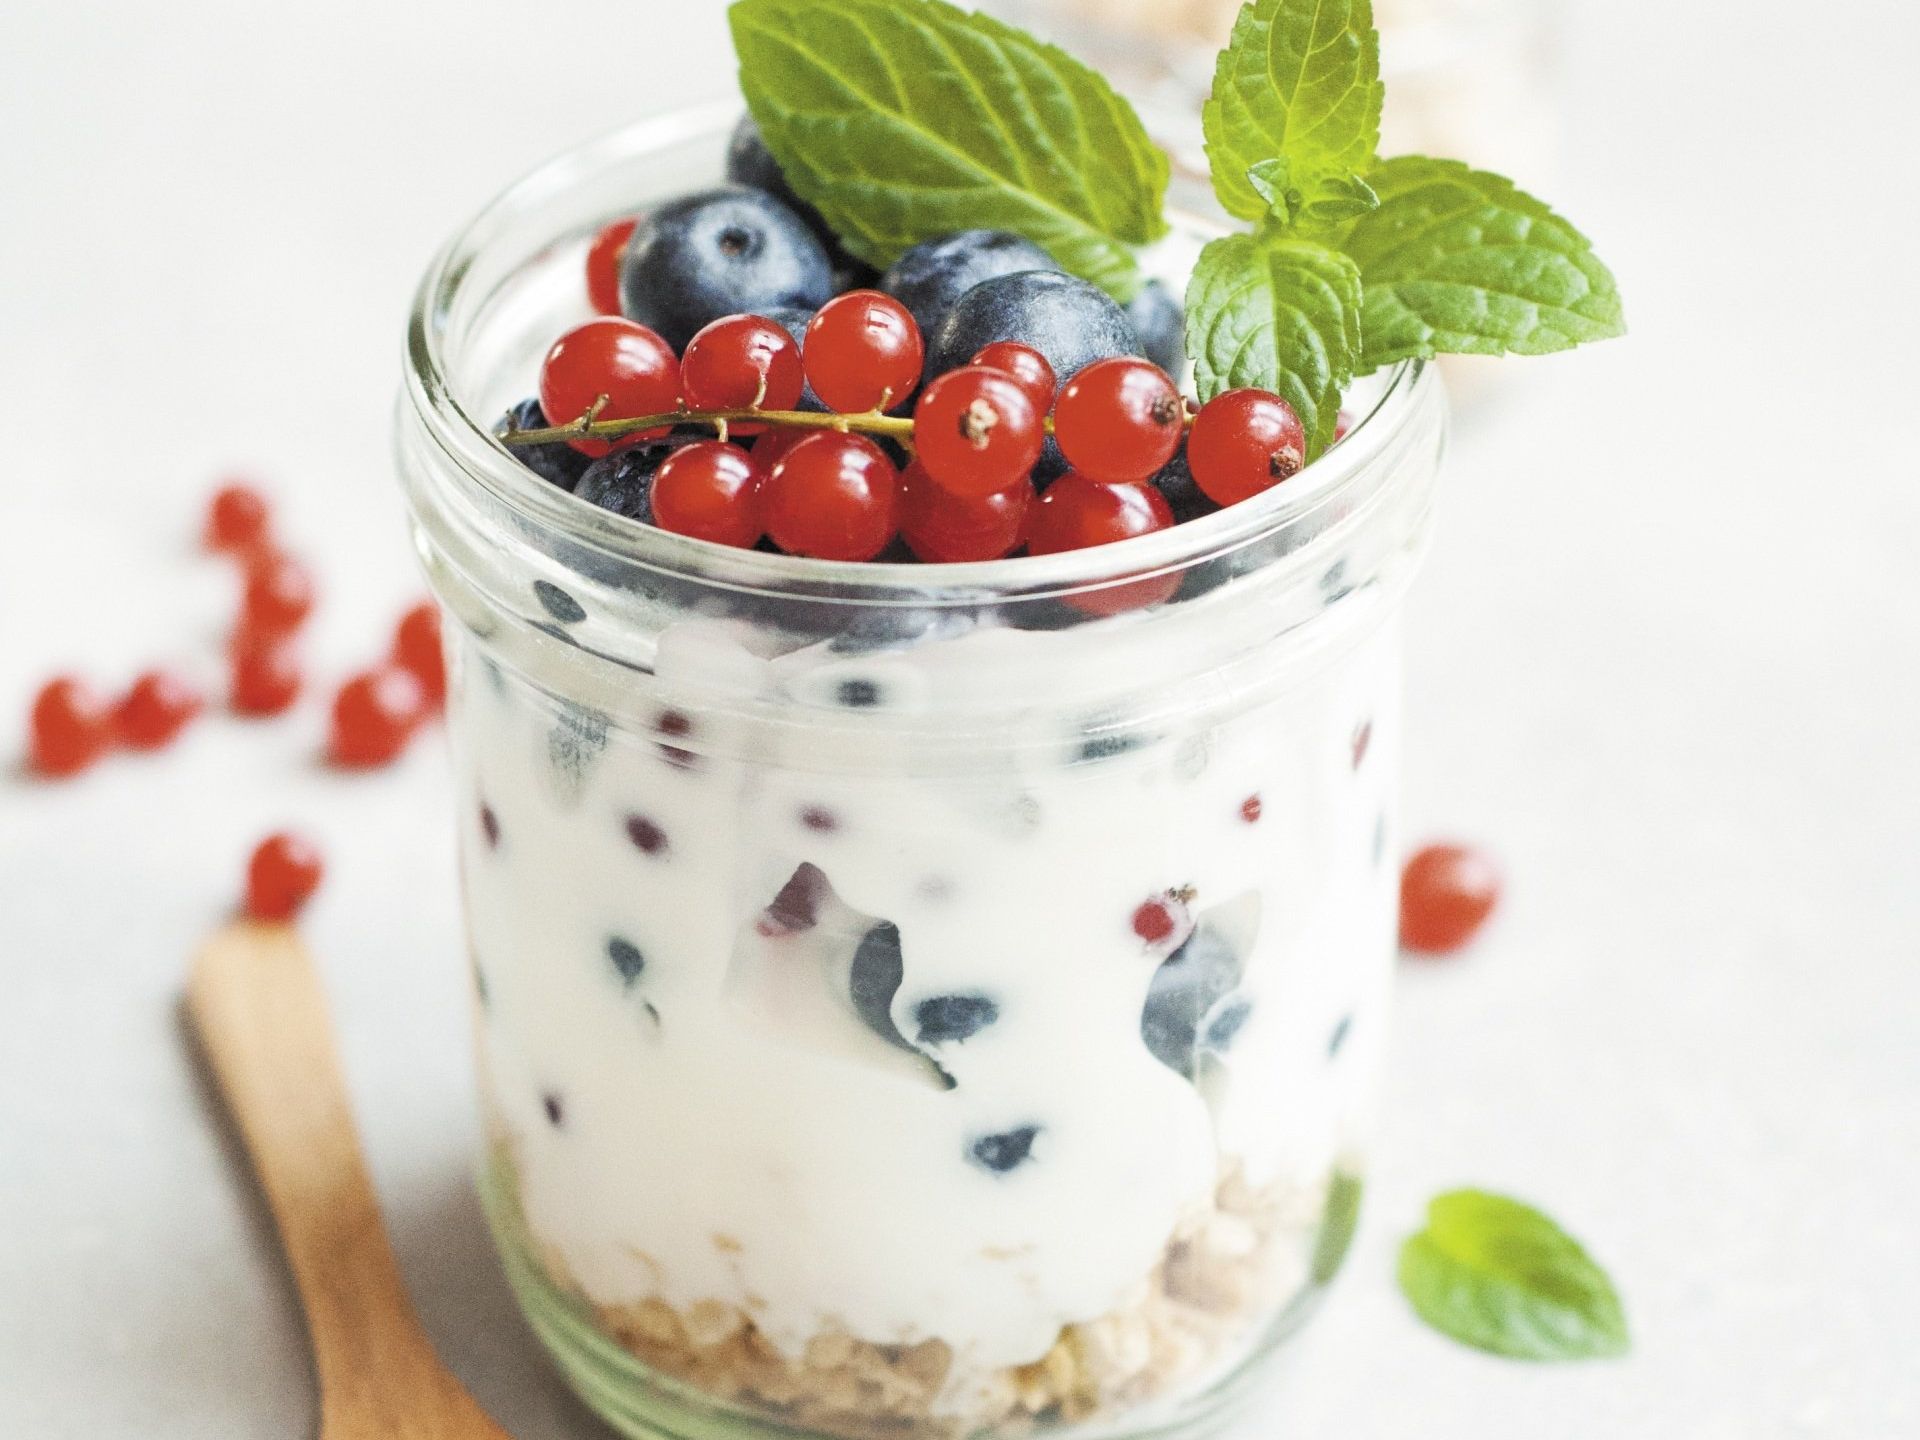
point(266, 676)
point(742, 362)
point(156, 709)
point(832, 496)
point(629, 364)
point(708, 490)
point(237, 517)
point(70, 727)
point(1027, 366)
point(374, 716)
point(281, 877)
point(603, 266)
point(943, 528)
point(863, 352)
point(1250, 809)
point(416, 649)
point(279, 594)
point(1446, 894)
point(976, 431)
point(1243, 442)
point(1119, 419)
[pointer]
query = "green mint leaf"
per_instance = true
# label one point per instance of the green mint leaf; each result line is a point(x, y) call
point(1341, 197)
point(1276, 313)
point(906, 119)
point(1498, 1275)
point(1270, 180)
point(1299, 79)
point(1460, 261)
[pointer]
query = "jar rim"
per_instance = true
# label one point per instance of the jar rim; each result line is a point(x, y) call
point(484, 464)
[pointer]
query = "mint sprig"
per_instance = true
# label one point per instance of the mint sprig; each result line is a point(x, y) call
point(1449, 260)
point(1500, 1276)
point(902, 120)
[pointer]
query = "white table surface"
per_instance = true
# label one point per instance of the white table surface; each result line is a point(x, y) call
point(1666, 661)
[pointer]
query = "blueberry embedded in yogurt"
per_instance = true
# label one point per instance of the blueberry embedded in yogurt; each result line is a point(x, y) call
point(875, 979)
point(951, 1019)
point(1005, 1150)
point(1184, 991)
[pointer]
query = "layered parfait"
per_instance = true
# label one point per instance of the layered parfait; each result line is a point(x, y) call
point(925, 706)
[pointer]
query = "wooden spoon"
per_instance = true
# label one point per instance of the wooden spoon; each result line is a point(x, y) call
point(262, 1018)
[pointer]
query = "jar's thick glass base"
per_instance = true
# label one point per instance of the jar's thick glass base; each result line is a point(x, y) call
point(643, 1403)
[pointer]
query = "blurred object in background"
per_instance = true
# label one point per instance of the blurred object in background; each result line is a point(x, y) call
point(1466, 78)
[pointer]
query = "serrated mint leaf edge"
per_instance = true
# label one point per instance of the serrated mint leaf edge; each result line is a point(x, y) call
point(1416, 309)
point(1122, 203)
point(1503, 1308)
point(1309, 376)
point(1244, 124)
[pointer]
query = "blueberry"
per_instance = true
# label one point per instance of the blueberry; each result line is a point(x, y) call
point(556, 1114)
point(750, 163)
point(1176, 485)
point(1067, 320)
point(576, 740)
point(858, 693)
point(953, 1018)
point(558, 603)
point(1106, 745)
point(480, 990)
point(1001, 1153)
point(626, 958)
point(1188, 984)
point(1339, 1036)
point(721, 252)
point(1227, 1022)
point(794, 321)
point(929, 277)
point(558, 463)
point(875, 979)
point(1160, 322)
point(623, 481)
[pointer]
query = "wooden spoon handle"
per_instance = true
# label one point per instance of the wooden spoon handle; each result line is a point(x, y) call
point(262, 1019)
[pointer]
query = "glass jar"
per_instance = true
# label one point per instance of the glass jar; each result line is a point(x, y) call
point(910, 1000)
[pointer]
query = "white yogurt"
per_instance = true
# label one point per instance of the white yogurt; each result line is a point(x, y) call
point(718, 1122)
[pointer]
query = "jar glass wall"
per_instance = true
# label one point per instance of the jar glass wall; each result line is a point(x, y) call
point(910, 1000)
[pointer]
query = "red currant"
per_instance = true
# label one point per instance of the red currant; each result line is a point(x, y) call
point(1119, 419)
point(279, 594)
point(777, 440)
point(1243, 442)
point(976, 431)
point(156, 709)
point(237, 517)
point(1342, 423)
point(266, 675)
point(831, 496)
point(1077, 512)
point(609, 248)
point(70, 727)
point(1446, 894)
point(282, 875)
point(1027, 366)
point(1250, 809)
point(742, 362)
point(629, 364)
point(1163, 920)
point(943, 528)
point(374, 716)
point(416, 649)
point(708, 490)
point(863, 352)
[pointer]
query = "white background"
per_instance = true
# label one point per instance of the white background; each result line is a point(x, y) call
point(1666, 661)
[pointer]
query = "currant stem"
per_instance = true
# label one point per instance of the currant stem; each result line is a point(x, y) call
point(871, 423)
